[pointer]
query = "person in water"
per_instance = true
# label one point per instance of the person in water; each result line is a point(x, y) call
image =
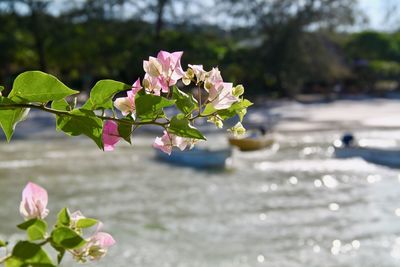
point(348, 140)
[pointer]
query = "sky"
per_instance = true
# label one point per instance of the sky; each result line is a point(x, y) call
point(382, 14)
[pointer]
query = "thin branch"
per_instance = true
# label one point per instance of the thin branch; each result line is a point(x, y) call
point(67, 113)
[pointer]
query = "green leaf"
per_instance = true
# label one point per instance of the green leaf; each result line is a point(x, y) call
point(60, 249)
point(125, 131)
point(1, 88)
point(208, 110)
point(37, 231)
point(150, 107)
point(2, 243)
point(14, 262)
point(102, 93)
point(86, 223)
point(60, 255)
point(184, 102)
point(27, 224)
point(37, 86)
point(30, 254)
point(238, 108)
point(67, 238)
point(82, 122)
point(35, 228)
point(180, 126)
point(10, 117)
point(61, 104)
point(63, 217)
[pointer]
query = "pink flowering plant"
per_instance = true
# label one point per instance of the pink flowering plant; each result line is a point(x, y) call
point(67, 236)
point(165, 85)
point(108, 118)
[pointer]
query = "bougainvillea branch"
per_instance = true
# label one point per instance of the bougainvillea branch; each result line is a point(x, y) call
point(67, 235)
point(143, 104)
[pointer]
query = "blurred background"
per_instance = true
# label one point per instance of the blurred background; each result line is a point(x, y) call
point(306, 196)
point(276, 48)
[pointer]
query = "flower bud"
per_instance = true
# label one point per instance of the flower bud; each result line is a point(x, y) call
point(34, 202)
point(238, 90)
point(189, 73)
point(96, 247)
point(238, 129)
point(208, 85)
point(216, 120)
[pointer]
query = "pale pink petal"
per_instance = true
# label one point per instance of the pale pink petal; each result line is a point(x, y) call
point(146, 66)
point(34, 201)
point(224, 98)
point(199, 72)
point(35, 192)
point(165, 59)
point(180, 142)
point(163, 143)
point(136, 86)
point(124, 104)
point(110, 135)
point(176, 57)
point(104, 240)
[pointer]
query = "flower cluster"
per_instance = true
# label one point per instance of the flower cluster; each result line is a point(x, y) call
point(162, 74)
point(168, 141)
point(66, 236)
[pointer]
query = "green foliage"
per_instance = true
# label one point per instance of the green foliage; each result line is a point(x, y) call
point(67, 238)
point(25, 225)
point(86, 223)
point(61, 104)
point(63, 217)
point(2, 243)
point(208, 110)
point(80, 121)
point(125, 131)
point(37, 86)
point(150, 107)
point(238, 108)
point(26, 253)
point(385, 68)
point(180, 126)
point(35, 229)
point(102, 93)
point(184, 102)
point(9, 118)
point(370, 45)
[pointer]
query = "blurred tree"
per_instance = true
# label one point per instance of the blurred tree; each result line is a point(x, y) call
point(285, 30)
point(167, 12)
point(37, 25)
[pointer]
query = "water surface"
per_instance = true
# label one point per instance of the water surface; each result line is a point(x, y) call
point(293, 205)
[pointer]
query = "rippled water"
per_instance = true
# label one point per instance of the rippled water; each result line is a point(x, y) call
point(293, 205)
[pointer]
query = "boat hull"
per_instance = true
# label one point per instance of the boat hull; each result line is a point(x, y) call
point(197, 158)
point(389, 158)
point(251, 144)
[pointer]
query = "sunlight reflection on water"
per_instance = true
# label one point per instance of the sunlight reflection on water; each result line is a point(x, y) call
point(274, 208)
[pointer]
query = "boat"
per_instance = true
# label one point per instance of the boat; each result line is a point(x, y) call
point(197, 157)
point(387, 156)
point(252, 140)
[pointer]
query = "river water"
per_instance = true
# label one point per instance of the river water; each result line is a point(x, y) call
point(292, 205)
